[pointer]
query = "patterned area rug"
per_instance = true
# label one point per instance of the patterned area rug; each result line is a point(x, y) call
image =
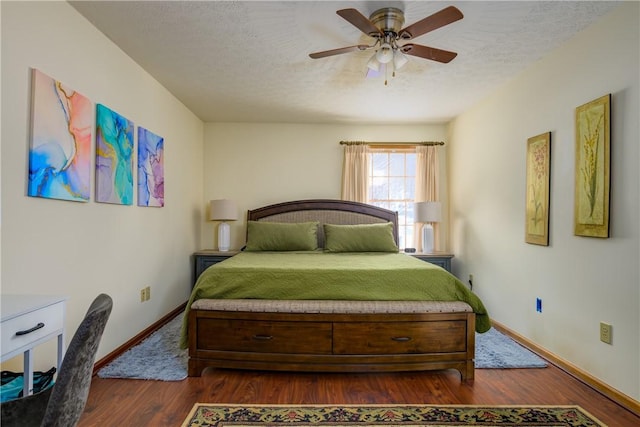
point(218, 415)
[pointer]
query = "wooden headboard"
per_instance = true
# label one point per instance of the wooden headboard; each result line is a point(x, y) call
point(325, 211)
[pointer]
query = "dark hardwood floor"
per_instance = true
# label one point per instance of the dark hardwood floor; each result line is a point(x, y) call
point(114, 402)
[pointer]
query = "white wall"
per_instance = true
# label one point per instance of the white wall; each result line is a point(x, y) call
point(581, 281)
point(259, 164)
point(83, 249)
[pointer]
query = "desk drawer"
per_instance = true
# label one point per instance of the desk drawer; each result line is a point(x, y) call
point(52, 316)
point(266, 336)
point(399, 337)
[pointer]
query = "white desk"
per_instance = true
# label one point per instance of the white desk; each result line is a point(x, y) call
point(28, 321)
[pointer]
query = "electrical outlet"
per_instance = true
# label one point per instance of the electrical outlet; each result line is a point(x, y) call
point(145, 294)
point(606, 331)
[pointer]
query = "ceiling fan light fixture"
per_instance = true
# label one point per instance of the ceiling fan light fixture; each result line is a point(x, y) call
point(386, 26)
point(385, 54)
point(373, 63)
point(399, 59)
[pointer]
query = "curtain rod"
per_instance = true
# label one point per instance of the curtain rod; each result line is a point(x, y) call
point(391, 143)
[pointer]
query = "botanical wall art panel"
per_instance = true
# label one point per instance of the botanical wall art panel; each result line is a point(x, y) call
point(60, 149)
point(537, 193)
point(150, 168)
point(591, 205)
point(114, 161)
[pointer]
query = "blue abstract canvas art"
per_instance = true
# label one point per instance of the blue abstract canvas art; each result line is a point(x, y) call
point(60, 150)
point(114, 157)
point(150, 168)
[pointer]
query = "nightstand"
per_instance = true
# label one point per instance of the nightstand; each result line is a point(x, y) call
point(206, 258)
point(442, 259)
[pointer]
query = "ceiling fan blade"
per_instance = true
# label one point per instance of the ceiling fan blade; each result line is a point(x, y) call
point(332, 52)
point(360, 21)
point(428, 52)
point(433, 22)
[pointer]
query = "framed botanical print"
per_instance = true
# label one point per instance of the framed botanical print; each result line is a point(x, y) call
point(537, 192)
point(593, 134)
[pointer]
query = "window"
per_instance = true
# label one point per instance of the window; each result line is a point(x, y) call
point(392, 177)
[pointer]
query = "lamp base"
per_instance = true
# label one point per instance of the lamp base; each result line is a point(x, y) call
point(427, 238)
point(224, 237)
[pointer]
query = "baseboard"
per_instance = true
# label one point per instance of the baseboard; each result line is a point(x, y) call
point(138, 338)
point(620, 398)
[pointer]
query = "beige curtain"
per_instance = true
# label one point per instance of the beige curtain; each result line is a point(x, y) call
point(427, 187)
point(355, 173)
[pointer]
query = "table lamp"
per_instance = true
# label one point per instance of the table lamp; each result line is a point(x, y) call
point(223, 210)
point(428, 213)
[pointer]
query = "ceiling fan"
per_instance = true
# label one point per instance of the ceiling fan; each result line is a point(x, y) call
point(386, 27)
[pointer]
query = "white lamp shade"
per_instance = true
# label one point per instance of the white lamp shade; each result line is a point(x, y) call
point(399, 59)
point(428, 211)
point(223, 210)
point(373, 63)
point(385, 53)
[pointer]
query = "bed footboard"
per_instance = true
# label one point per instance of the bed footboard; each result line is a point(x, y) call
point(332, 336)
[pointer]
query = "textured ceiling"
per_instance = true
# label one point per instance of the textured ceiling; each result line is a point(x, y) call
point(247, 61)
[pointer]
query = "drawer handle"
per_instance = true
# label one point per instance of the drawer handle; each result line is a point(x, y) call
point(28, 331)
point(401, 339)
point(262, 337)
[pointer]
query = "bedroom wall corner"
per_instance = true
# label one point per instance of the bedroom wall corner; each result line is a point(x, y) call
point(581, 281)
point(82, 249)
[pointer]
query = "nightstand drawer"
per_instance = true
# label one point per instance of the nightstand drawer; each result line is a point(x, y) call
point(437, 258)
point(440, 262)
point(206, 258)
point(202, 263)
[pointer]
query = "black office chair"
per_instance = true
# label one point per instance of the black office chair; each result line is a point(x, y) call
point(62, 405)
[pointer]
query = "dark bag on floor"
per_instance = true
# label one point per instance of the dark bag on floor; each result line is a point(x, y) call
point(12, 383)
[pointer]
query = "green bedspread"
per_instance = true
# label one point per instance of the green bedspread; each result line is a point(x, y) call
point(332, 276)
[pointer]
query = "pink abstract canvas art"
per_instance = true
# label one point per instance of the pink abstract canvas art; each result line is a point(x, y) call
point(60, 150)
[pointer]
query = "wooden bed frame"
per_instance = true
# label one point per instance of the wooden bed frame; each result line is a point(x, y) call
point(331, 336)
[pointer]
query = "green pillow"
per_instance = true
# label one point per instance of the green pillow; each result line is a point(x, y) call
point(281, 236)
point(359, 238)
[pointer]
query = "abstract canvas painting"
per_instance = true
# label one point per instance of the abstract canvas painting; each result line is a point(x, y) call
point(114, 157)
point(150, 168)
point(60, 150)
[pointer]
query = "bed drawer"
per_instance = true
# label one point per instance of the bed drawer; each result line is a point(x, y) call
point(399, 337)
point(266, 337)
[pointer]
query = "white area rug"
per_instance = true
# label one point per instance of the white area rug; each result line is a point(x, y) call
point(494, 350)
point(158, 357)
